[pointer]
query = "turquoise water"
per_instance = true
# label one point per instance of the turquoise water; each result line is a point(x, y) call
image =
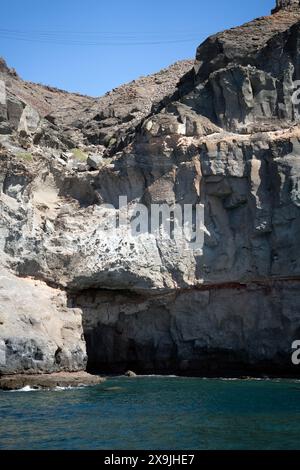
point(155, 413)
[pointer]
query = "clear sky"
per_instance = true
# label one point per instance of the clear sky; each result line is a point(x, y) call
point(92, 46)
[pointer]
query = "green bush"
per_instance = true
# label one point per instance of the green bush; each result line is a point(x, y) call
point(79, 155)
point(27, 156)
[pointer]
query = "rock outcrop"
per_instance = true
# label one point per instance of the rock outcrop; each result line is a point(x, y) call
point(286, 5)
point(59, 120)
point(39, 333)
point(48, 381)
point(44, 161)
point(228, 137)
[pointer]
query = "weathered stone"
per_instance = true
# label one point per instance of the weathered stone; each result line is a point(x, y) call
point(130, 374)
point(3, 107)
point(29, 121)
point(14, 111)
point(5, 128)
point(38, 332)
point(49, 381)
point(95, 161)
point(217, 331)
point(286, 5)
point(228, 137)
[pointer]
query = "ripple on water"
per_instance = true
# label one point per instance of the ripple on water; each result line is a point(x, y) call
point(154, 413)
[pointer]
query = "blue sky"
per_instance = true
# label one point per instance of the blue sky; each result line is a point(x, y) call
point(60, 36)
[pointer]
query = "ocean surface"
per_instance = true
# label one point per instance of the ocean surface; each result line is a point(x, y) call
point(155, 413)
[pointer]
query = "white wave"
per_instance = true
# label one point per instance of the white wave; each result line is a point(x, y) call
point(229, 379)
point(160, 376)
point(27, 388)
point(145, 376)
point(69, 387)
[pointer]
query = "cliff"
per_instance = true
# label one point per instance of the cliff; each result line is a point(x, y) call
point(223, 132)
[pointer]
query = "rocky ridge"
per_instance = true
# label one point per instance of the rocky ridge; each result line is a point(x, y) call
point(227, 136)
point(65, 121)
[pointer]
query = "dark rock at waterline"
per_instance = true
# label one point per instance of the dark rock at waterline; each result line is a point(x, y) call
point(48, 381)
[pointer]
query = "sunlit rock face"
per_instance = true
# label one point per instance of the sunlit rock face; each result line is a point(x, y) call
point(226, 137)
point(286, 5)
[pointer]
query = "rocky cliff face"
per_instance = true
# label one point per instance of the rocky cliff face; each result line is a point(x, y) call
point(286, 4)
point(226, 136)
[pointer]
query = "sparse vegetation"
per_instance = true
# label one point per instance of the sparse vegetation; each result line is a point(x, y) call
point(79, 155)
point(27, 156)
point(112, 142)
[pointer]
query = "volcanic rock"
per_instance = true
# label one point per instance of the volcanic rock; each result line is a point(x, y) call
point(223, 133)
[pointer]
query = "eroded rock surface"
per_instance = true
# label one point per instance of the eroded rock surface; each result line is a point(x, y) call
point(48, 381)
point(234, 329)
point(228, 137)
point(38, 331)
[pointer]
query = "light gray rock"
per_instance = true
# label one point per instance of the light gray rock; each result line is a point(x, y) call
point(38, 332)
point(29, 121)
point(3, 107)
point(130, 374)
point(15, 109)
point(95, 162)
point(286, 5)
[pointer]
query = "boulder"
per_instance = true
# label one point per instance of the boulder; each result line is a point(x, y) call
point(130, 374)
point(3, 107)
point(29, 121)
point(5, 128)
point(95, 162)
point(15, 109)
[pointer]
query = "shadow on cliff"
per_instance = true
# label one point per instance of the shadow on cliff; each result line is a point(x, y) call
point(239, 322)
